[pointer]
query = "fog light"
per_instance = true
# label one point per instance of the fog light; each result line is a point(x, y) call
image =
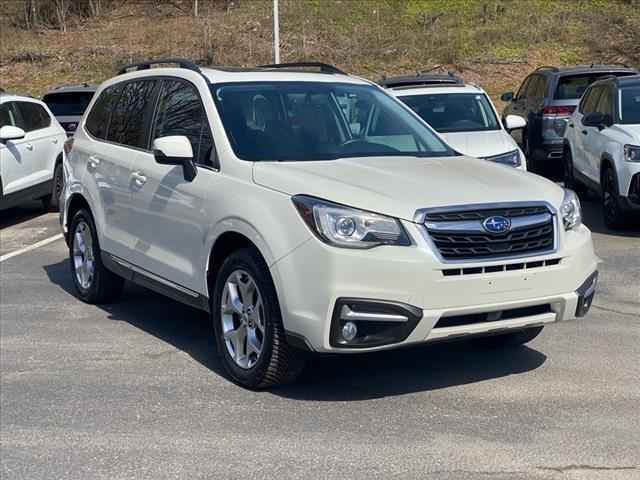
point(349, 331)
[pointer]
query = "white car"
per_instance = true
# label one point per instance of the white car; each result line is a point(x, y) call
point(31, 143)
point(462, 114)
point(602, 147)
point(257, 196)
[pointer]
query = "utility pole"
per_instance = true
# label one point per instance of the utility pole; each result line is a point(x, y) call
point(195, 8)
point(276, 32)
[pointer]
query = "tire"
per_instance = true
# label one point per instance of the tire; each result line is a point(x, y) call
point(509, 340)
point(613, 215)
point(532, 163)
point(51, 203)
point(94, 283)
point(276, 363)
point(570, 180)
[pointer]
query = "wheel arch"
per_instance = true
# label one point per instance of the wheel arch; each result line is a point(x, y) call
point(74, 204)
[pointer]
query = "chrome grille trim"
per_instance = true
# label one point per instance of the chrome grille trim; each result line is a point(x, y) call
point(531, 221)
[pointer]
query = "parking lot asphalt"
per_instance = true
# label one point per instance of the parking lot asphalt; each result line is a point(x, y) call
point(134, 390)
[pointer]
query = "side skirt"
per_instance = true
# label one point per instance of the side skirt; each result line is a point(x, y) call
point(153, 282)
point(30, 193)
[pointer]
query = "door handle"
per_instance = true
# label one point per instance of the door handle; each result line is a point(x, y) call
point(139, 179)
point(29, 146)
point(93, 163)
point(55, 141)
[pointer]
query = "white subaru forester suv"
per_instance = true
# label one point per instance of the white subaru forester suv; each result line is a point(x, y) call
point(258, 196)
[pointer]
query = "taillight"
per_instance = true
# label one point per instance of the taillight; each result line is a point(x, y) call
point(68, 145)
point(560, 111)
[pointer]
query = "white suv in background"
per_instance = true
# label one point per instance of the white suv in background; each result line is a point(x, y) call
point(31, 142)
point(462, 114)
point(257, 195)
point(602, 147)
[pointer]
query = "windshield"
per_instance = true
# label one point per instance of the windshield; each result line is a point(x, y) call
point(630, 105)
point(454, 112)
point(300, 121)
point(68, 104)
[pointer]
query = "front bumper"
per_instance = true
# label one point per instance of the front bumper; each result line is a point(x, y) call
point(312, 279)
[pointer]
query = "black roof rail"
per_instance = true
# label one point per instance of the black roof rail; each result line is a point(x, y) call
point(181, 62)
point(548, 67)
point(423, 79)
point(324, 67)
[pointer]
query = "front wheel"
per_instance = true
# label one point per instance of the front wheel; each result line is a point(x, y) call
point(513, 339)
point(52, 201)
point(248, 325)
point(93, 282)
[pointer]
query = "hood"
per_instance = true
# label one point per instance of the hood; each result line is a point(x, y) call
point(632, 131)
point(481, 144)
point(398, 186)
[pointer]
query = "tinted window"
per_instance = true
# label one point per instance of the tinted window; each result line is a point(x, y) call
point(573, 86)
point(302, 121)
point(34, 117)
point(630, 105)
point(180, 112)
point(68, 103)
point(590, 102)
point(605, 104)
point(454, 112)
point(536, 87)
point(98, 118)
point(132, 113)
point(9, 116)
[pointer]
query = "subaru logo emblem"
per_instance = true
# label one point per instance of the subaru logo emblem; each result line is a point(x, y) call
point(496, 224)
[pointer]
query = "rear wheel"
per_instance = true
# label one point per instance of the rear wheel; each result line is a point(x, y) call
point(570, 180)
point(93, 282)
point(248, 325)
point(613, 215)
point(52, 201)
point(513, 339)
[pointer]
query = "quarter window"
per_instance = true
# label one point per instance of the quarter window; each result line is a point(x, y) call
point(180, 112)
point(98, 119)
point(132, 114)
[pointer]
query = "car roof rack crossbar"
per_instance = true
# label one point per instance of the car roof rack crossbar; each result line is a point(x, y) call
point(181, 62)
point(421, 79)
point(324, 67)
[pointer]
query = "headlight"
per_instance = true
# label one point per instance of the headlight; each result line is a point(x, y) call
point(510, 158)
point(570, 210)
point(349, 227)
point(632, 153)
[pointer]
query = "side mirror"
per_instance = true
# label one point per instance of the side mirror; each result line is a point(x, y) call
point(514, 122)
point(11, 133)
point(175, 150)
point(598, 120)
point(507, 97)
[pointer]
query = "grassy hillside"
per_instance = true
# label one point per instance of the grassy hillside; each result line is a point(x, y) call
point(491, 42)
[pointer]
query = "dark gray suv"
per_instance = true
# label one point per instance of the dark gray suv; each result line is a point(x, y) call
point(546, 99)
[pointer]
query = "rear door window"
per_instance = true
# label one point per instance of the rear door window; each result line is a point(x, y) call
point(131, 117)
point(180, 112)
point(34, 117)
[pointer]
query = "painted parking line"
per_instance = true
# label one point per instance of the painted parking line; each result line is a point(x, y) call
point(39, 244)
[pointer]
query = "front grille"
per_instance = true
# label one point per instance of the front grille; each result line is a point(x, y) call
point(459, 235)
point(454, 272)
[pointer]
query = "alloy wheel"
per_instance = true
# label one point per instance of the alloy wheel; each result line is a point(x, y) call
point(83, 257)
point(243, 319)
